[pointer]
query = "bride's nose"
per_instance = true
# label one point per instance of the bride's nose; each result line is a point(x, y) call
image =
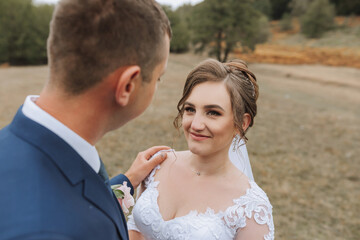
point(198, 123)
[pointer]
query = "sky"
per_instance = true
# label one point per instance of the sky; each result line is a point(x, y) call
point(173, 3)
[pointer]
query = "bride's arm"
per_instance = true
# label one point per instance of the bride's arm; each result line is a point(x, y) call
point(134, 232)
point(253, 231)
point(260, 225)
point(135, 235)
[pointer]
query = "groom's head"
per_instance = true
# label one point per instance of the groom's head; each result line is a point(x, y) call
point(89, 40)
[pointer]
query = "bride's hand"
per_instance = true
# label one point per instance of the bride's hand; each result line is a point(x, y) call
point(142, 165)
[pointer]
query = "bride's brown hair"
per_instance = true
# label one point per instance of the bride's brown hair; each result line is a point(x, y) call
point(239, 81)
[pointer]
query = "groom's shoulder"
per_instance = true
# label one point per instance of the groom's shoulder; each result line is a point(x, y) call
point(8, 137)
point(15, 150)
point(21, 162)
point(5, 133)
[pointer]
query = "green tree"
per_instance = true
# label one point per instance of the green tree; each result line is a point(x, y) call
point(286, 22)
point(15, 22)
point(278, 8)
point(347, 7)
point(181, 39)
point(219, 25)
point(42, 17)
point(185, 13)
point(23, 32)
point(318, 19)
point(264, 6)
point(299, 7)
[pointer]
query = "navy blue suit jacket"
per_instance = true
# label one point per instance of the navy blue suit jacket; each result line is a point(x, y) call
point(47, 191)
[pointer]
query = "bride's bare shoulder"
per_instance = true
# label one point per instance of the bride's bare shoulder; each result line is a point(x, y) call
point(240, 182)
point(173, 158)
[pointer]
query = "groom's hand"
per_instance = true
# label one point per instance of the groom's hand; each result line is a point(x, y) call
point(143, 165)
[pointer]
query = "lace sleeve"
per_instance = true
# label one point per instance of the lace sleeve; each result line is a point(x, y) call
point(255, 231)
point(253, 211)
point(131, 224)
point(149, 180)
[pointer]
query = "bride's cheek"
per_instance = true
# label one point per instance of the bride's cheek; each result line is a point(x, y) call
point(186, 123)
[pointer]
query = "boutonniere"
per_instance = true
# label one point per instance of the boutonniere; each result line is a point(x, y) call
point(122, 193)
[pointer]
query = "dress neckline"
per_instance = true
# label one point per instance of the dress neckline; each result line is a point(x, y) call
point(192, 213)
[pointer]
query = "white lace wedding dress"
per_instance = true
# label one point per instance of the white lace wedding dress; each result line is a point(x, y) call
point(146, 217)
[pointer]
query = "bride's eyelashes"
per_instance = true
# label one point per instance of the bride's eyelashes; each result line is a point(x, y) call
point(189, 109)
point(212, 113)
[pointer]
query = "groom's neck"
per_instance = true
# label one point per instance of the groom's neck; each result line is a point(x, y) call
point(84, 114)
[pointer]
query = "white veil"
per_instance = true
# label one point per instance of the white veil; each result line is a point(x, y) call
point(240, 158)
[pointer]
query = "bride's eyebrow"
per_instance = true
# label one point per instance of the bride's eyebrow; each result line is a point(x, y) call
point(210, 106)
point(190, 104)
point(214, 106)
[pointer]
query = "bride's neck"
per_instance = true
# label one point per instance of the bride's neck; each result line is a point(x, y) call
point(215, 164)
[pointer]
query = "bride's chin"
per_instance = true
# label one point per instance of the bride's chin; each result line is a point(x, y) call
point(198, 151)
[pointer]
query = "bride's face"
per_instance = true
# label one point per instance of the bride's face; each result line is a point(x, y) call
point(208, 120)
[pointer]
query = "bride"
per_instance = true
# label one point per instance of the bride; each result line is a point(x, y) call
point(199, 193)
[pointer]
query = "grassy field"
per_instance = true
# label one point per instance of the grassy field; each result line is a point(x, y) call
point(338, 47)
point(304, 146)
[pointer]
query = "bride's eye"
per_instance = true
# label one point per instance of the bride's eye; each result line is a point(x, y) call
point(214, 113)
point(189, 109)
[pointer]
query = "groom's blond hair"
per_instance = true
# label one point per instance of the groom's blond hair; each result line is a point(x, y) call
point(89, 39)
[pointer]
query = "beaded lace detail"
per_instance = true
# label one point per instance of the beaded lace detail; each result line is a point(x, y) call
point(146, 217)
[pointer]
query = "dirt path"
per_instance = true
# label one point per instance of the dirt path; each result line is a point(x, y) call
point(307, 148)
point(319, 87)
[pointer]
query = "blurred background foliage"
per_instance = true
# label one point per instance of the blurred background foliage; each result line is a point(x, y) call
point(24, 28)
point(318, 18)
point(217, 27)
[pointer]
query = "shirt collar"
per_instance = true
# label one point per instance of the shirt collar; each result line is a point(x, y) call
point(80, 145)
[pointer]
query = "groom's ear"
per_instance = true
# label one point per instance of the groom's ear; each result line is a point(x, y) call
point(126, 84)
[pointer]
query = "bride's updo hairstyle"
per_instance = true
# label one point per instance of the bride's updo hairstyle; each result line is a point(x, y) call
point(239, 81)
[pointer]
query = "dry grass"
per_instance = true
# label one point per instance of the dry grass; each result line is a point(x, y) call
point(338, 47)
point(304, 146)
point(275, 53)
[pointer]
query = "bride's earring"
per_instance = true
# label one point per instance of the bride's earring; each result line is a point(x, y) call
point(235, 143)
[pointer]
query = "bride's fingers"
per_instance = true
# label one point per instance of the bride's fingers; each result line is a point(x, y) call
point(151, 151)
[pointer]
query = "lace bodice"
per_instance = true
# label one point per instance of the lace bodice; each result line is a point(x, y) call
point(146, 217)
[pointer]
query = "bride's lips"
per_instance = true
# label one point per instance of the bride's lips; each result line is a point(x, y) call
point(198, 137)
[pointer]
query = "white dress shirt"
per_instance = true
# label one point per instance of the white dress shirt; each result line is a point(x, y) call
point(81, 146)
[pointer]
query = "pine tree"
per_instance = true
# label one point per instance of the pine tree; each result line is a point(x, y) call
point(220, 25)
point(318, 19)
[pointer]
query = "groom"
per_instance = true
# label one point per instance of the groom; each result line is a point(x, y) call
point(105, 57)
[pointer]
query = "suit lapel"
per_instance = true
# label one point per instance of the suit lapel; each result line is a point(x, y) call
point(99, 195)
point(70, 163)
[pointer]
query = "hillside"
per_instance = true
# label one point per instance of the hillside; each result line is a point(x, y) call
point(339, 47)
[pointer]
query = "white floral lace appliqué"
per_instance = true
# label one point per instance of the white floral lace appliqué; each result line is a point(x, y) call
point(204, 226)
